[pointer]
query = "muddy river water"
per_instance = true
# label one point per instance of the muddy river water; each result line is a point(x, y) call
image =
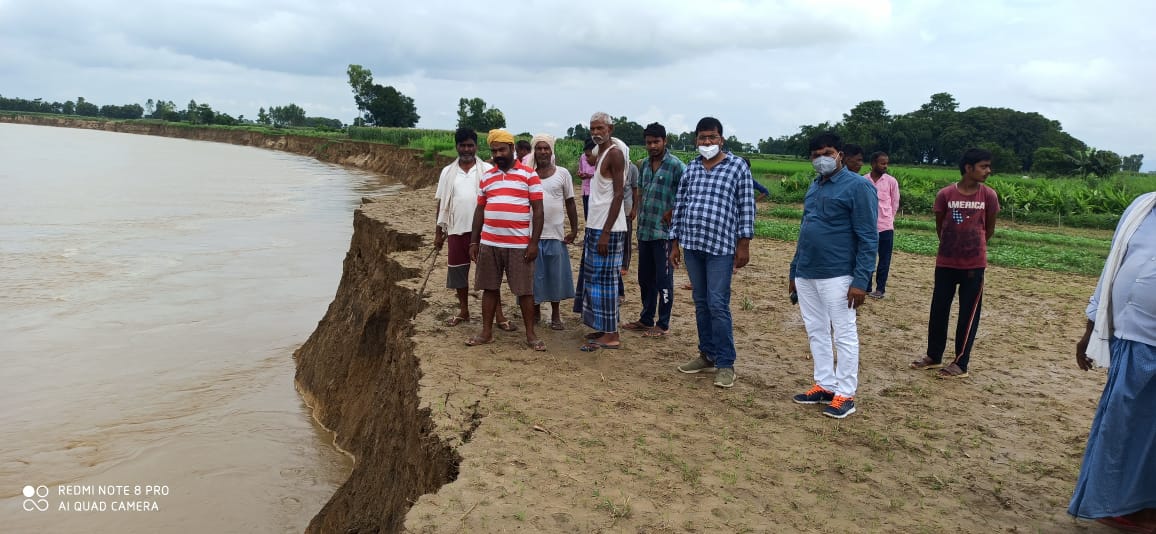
point(152, 291)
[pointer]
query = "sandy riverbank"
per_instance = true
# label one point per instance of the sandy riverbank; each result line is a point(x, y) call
point(619, 441)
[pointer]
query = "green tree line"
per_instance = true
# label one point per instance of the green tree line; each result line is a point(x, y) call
point(938, 132)
point(935, 134)
point(290, 115)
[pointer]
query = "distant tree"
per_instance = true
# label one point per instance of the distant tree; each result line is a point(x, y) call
point(85, 108)
point(776, 145)
point(360, 80)
point(628, 131)
point(1132, 163)
point(191, 114)
point(868, 125)
point(1051, 161)
point(263, 117)
point(323, 123)
point(932, 135)
point(224, 118)
point(150, 108)
point(167, 111)
point(288, 115)
point(797, 143)
point(473, 114)
point(684, 141)
point(1109, 163)
point(389, 107)
point(578, 131)
point(733, 144)
point(131, 111)
point(205, 115)
point(69, 108)
point(380, 106)
point(940, 103)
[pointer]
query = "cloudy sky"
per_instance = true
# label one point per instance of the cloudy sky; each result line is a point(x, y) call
point(762, 67)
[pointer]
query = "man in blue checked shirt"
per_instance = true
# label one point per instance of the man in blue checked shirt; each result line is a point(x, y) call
point(714, 220)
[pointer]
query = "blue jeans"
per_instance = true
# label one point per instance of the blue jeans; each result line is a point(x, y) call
point(886, 244)
point(656, 281)
point(711, 276)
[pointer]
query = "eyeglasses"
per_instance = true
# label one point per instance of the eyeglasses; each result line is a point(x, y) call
point(708, 138)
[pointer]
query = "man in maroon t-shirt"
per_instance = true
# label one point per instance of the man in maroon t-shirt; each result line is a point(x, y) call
point(965, 214)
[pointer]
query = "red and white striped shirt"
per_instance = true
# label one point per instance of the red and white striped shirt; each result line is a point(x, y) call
point(505, 198)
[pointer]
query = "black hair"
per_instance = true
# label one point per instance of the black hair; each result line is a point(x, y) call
point(708, 123)
point(654, 129)
point(972, 156)
point(589, 145)
point(524, 145)
point(824, 140)
point(851, 150)
point(462, 134)
point(876, 155)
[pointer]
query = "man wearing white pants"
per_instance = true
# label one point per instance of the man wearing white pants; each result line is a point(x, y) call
point(834, 258)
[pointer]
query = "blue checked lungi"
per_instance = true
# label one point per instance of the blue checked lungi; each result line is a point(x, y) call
point(596, 297)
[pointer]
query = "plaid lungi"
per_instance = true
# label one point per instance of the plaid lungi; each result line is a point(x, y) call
point(599, 287)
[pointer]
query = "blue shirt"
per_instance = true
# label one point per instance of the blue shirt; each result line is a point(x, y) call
point(1134, 292)
point(838, 236)
point(714, 208)
point(761, 188)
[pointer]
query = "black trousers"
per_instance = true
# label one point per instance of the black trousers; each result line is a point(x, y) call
point(970, 284)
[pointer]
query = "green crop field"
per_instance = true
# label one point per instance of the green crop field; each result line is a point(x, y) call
point(1023, 247)
point(1064, 206)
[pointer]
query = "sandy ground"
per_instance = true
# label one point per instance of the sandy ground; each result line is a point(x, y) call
point(620, 441)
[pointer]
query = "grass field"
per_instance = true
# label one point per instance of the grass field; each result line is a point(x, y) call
point(1055, 225)
point(1023, 246)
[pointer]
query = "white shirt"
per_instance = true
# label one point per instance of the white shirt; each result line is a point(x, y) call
point(602, 194)
point(457, 196)
point(555, 191)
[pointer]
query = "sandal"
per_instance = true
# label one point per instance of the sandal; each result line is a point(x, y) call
point(474, 341)
point(537, 345)
point(655, 331)
point(951, 371)
point(557, 325)
point(926, 363)
point(507, 326)
point(456, 320)
point(634, 327)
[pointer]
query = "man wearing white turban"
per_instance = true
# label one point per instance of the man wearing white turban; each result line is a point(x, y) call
point(553, 278)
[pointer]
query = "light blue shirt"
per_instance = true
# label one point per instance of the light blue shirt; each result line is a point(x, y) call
point(1134, 292)
point(839, 235)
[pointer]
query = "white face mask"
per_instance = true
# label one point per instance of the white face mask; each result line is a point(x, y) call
point(824, 165)
point(708, 151)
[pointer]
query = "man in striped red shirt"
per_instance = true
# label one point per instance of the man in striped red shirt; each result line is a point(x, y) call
point(507, 226)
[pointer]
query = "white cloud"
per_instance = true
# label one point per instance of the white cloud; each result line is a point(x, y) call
point(762, 67)
point(1069, 81)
